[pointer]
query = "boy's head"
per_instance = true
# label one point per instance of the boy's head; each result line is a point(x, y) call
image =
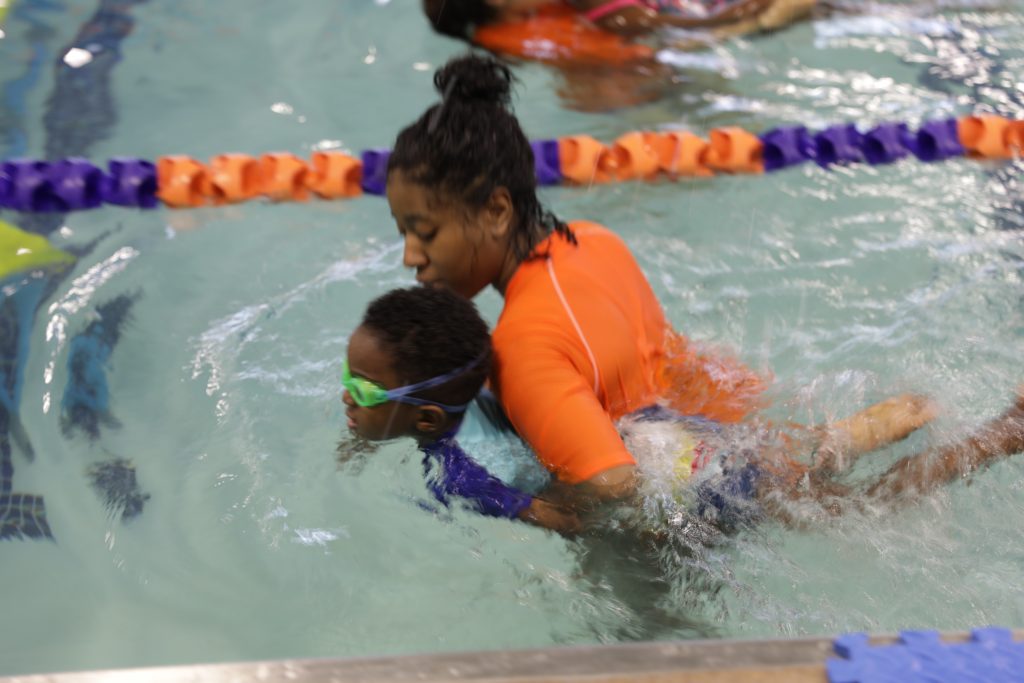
point(416, 336)
point(457, 18)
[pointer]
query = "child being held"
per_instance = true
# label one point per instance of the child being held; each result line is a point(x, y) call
point(416, 362)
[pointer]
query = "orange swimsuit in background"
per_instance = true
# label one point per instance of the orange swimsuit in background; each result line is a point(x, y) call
point(582, 341)
point(557, 34)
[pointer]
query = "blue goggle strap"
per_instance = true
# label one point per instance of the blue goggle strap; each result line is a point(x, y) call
point(401, 394)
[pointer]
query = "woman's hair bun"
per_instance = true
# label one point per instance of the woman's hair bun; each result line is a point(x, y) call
point(475, 78)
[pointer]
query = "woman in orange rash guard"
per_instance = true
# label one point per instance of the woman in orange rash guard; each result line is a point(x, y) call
point(582, 340)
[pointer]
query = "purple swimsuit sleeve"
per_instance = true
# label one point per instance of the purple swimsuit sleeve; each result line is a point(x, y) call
point(450, 472)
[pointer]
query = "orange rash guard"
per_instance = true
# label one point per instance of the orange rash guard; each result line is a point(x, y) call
point(582, 341)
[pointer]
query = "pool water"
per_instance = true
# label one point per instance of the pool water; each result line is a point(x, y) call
point(847, 285)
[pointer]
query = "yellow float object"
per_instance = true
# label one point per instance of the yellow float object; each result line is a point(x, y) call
point(21, 251)
point(5, 5)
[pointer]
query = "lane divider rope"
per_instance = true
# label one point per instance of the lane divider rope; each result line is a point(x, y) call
point(176, 181)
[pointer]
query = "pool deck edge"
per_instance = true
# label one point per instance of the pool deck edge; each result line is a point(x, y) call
point(699, 661)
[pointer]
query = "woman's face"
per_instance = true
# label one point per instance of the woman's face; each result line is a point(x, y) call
point(448, 244)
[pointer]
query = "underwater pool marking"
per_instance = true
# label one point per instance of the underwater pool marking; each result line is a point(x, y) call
point(35, 186)
point(24, 257)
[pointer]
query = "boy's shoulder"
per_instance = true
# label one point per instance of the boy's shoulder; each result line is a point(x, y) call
point(488, 438)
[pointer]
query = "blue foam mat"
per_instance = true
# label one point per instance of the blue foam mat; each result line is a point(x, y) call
point(990, 656)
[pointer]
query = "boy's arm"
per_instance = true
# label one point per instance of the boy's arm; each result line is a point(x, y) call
point(464, 477)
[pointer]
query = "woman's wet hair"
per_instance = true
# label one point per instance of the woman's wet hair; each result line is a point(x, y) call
point(429, 332)
point(457, 18)
point(470, 144)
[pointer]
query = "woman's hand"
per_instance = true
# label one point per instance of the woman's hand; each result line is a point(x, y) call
point(551, 516)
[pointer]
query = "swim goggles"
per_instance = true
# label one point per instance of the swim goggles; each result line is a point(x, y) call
point(369, 394)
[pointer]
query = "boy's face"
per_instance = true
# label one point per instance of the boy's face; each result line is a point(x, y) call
point(368, 359)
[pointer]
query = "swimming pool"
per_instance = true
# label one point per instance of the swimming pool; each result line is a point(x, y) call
point(848, 284)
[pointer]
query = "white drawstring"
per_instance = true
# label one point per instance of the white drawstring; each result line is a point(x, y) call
point(579, 331)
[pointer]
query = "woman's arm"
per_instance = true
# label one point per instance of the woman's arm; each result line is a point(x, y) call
point(615, 484)
point(625, 19)
point(555, 409)
point(633, 18)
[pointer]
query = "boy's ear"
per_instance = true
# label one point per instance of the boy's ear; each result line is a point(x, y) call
point(430, 420)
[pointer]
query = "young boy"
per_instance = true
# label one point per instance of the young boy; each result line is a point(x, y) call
point(415, 363)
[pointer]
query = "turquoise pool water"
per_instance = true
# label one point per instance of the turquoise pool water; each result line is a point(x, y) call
point(848, 285)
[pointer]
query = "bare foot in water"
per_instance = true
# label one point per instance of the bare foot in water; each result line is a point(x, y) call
point(877, 426)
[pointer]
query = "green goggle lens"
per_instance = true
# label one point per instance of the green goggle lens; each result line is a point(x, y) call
point(364, 392)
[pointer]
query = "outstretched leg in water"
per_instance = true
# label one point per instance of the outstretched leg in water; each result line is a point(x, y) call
point(999, 438)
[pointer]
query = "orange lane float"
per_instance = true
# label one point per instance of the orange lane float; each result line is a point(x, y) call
point(181, 181)
point(1015, 137)
point(680, 153)
point(184, 182)
point(283, 177)
point(734, 150)
point(580, 159)
point(334, 175)
point(232, 178)
point(988, 136)
point(632, 157)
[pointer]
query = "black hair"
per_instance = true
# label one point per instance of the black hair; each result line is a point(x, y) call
point(457, 18)
point(470, 144)
point(430, 332)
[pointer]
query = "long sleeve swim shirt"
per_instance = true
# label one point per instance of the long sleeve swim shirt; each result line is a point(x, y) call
point(450, 472)
point(582, 341)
